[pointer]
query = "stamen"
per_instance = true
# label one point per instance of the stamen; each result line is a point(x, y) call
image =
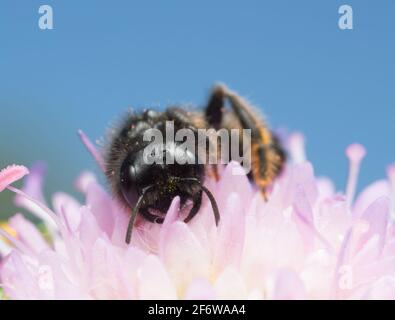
point(92, 150)
point(4, 248)
point(297, 148)
point(46, 213)
point(11, 174)
point(355, 154)
point(15, 242)
point(391, 176)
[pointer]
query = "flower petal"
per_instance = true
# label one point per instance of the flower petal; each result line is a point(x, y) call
point(69, 207)
point(11, 174)
point(232, 183)
point(102, 207)
point(153, 281)
point(230, 241)
point(294, 176)
point(18, 279)
point(84, 180)
point(370, 194)
point(181, 251)
point(373, 222)
point(230, 285)
point(288, 286)
point(28, 234)
point(200, 289)
point(383, 289)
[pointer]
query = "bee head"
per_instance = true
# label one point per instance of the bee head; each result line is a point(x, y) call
point(161, 172)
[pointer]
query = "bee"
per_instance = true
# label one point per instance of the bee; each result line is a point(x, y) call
point(148, 189)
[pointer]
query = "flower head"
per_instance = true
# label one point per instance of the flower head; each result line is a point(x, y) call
point(306, 241)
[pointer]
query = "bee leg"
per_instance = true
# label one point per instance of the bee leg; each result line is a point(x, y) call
point(214, 168)
point(266, 153)
point(214, 114)
point(197, 202)
point(215, 108)
point(150, 217)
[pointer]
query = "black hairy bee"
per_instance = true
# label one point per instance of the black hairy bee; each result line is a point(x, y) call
point(148, 189)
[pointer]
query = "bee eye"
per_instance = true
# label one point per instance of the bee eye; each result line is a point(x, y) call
point(128, 182)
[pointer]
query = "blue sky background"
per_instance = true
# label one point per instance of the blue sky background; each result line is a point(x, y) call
point(289, 57)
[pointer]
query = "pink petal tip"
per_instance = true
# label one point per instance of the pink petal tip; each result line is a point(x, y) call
point(92, 149)
point(297, 150)
point(391, 171)
point(11, 174)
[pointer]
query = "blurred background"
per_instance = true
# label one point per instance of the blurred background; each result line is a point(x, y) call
point(289, 57)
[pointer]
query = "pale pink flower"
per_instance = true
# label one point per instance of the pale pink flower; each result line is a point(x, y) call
point(306, 242)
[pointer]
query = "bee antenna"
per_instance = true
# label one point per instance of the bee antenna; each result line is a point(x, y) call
point(213, 204)
point(134, 215)
point(210, 196)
